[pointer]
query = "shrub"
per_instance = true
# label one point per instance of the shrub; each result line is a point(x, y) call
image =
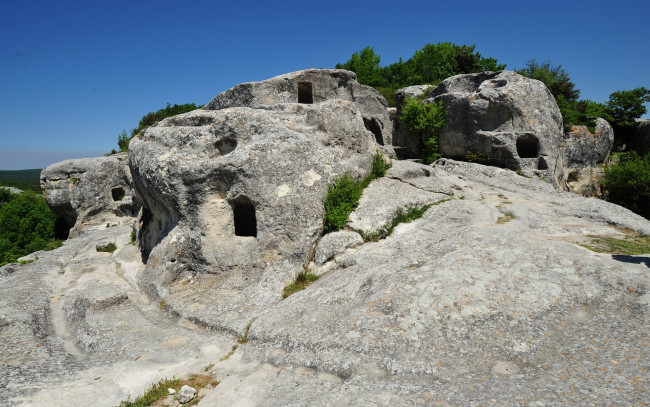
point(379, 166)
point(425, 121)
point(342, 198)
point(26, 226)
point(627, 183)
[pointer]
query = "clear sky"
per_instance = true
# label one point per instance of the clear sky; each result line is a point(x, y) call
point(73, 74)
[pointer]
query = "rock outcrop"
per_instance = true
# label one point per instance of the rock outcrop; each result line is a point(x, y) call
point(89, 192)
point(504, 118)
point(460, 306)
point(585, 154)
point(237, 194)
point(314, 86)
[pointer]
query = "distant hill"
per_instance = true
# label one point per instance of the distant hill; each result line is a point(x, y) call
point(21, 175)
point(22, 179)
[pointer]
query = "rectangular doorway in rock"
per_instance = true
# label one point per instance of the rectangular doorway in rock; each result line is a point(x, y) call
point(244, 217)
point(305, 94)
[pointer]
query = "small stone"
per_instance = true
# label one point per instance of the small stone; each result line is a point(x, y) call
point(186, 394)
point(171, 391)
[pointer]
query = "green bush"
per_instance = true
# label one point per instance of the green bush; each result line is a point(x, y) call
point(425, 121)
point(379, 166)
point(627, 183)
point(26, 226)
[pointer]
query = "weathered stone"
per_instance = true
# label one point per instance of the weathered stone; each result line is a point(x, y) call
point(186, 394)
point(237, 193)
point(12, 190)
point(584, 155)
point(89, 192)
point(509, 120)
point(640, 141)
point(335, 243)
point(314, 86)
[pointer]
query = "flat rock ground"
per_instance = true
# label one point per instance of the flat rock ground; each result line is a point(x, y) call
point(486, 300)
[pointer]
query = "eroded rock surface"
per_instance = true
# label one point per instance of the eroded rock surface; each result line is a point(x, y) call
point(502, 119)
point(90, 192)
point(314, 86)
point(459, 307)
point(234, 198)
point(585, 153)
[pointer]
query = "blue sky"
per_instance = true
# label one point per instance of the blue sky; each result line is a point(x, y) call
point(73, 74)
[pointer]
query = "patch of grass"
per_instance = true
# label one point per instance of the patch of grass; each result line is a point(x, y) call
point(162, 304)
point(208, 367)
point(507, 217)
point(343, 197)
point(132, 237)
point(412, 213)
point(630, 245)
point(107, 248)
point(302, 281)
point(521, 173)
point(21, 262)
point(479, 158)
point(158, 391)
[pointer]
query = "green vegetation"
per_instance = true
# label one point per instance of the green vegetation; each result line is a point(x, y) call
point(343, 197)
point(478, 158)
point(621, 110)
point(148, 120)
point(627, 183)
point(631, 245)
point(26, 225)
point(302, 281)
point(412, 213)
point(429, 65)
point(425, 121)
point(507, 217)
point(158, 391)
point(25, 180)
point(107, 248)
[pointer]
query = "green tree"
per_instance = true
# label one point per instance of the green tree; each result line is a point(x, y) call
point(627, 183)
point(123, 139)
point(26, 225)
point(624, 107)
point(365, 64)
point(554, 77)
point(425, 121)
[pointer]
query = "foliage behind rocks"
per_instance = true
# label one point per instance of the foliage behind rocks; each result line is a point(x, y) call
point(627, 183)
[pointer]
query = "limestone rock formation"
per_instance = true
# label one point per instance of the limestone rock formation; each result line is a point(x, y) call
point(90, 191)
point(459, 306)
point(237, 194)
point(507, 119)
point(584, 155)
point(314, 86)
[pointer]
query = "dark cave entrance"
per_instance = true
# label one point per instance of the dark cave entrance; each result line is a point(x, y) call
point(527, 146)
point(372, 125)
point(305, 94)
point(245, 219)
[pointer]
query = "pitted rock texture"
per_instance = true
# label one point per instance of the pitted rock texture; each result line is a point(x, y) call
point(236, 195)
point(455, 308)
point(585, 154)
point(314, 86)
point(510, 120)
point(90, 192)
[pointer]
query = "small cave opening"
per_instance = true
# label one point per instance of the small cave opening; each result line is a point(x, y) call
point(118, 193)
point(305, 93)
point(372, 125)
point(226, 145)
point(244, 216)
point(527, 146)
point(62, 228)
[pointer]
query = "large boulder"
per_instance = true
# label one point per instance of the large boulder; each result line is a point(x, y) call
point(585, 153)
point(89, 192)
point(506, 119)
point(314, 86)
point(238, 193)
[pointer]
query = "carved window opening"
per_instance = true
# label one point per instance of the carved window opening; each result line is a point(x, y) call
point(372, 125)
point(527, 146)
point(305, 93)
point(245, 219)
point(118, 193)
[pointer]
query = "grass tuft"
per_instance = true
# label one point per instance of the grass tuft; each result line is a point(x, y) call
point(401, 216)
point(507, 217)
point(107, 248)
point(302, 281)
point(630, 245)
